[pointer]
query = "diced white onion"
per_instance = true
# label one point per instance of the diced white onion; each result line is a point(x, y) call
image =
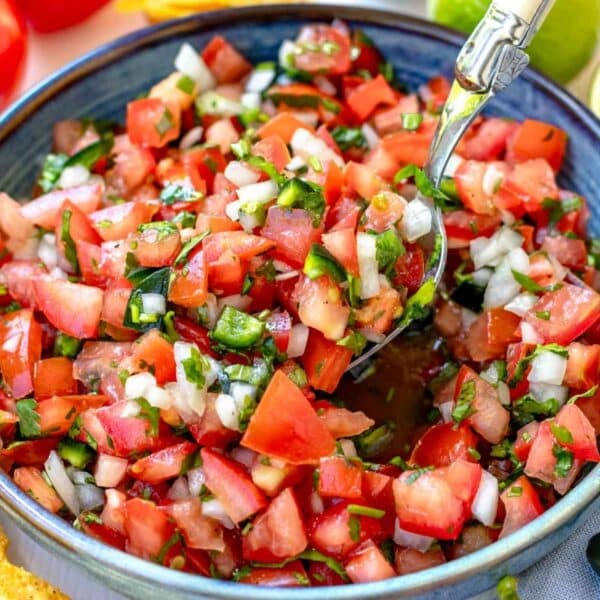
point(306, 144)
point(521, 303)
point(138, 385)
point(416, 220)
point(298, 340)
point(501, 288)
point(249, 221)
point(196, 479)
point(47, 252)
point(282, 267)
point(503, 393)
point(481, 277)
point(492, 178)
point(366, 248)
point(109, 470)
point(296, 164)
point(192, 137)
point(210, 311)
point(159, 397)
point(548, 367)
point(485, 503)
point(232, 209)
point(371, 136)
point(453, 163)
point(78, 477)
point(213, 103)
point(446, 409)
point(179, 490)
point(228, 411)
point(348, 448)
point(259, 80)
point(190, 400)
point(491, 251)
point(325, 85)
point(55, 469)
point(529, 335)
point(130, 408)
point(308, 117)
point(214, 509)
point(90, 496)
point(58, 273)
point(286, 50)
point(286, 276)
point(407, 539)
point(490, 374)
point(235, 300)
point(258, 192)
point(73, 176)
point(190, 63)
point(240, 390)
point(154, 304)
point(518, 260)
point(251, 100)
point(544, 391)
point(316, 503)
point(240, 173)
point(244, 456)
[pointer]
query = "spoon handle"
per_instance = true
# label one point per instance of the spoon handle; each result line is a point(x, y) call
point(489, 61)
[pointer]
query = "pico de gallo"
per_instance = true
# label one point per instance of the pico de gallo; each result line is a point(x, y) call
point(182, 295)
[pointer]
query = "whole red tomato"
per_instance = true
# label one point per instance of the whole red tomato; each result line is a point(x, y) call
point(52, 15)
point(13, 45)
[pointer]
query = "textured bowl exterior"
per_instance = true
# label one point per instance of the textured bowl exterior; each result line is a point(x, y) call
point(100, 84)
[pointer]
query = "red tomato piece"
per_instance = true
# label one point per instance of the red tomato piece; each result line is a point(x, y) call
point(118, 221)
point(339, 477)
point(102, 532)
point(324, 361)
point(244, 245)
point(30, 480)
point(152, 122)
point(30, 452)
point(536, 139)
point(224, 61)
point(428, 505)
point(522, 505)
point(199, 531)
point(570, 252)
point(19, 276)
point(278, 533)
point(408, 560)
point(189, 283)
point(367, 96)
point(152, 352)
point(442, 444)
point(582, 366)
point(469, 179)
point(164, 464)
point(342, 422)
point(291, 575)
point(406, 147)
point(368, 563)
point(582, 440)
point(410, 268)
point(232, 485)
point(295, 434)
point(114, 305)
point(147, 528)
point(490, 139)
point(573, 310)
point(464, 478)
point(524, 440)
point(42, 211)
point(154, 249)
point(325, 49)
point(466, 225)
point(80, 229)
point(53, 376)
point(20, 349)
point(71, 307)
point(195, 334)
point(491, 333)
point(58, 413)
point(209, 431)
point(363, 180)
point(279, 325)
point(293, 233)
point(283, 124)
point(342, 244)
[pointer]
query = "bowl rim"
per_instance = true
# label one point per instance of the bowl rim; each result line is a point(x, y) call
point(61, 535)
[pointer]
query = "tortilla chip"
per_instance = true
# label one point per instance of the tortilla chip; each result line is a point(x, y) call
point(18, 584)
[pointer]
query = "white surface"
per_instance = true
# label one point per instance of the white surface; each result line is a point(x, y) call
point(48, 53)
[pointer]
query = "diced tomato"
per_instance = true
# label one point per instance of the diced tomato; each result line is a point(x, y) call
point(194, 333)
point(279, 325)
point(30, 480)
point(331, 54)
point(283, 124)
point(226, 275)
point(408, 560)
point(152, 122)
point(114, 305)
point(244, 245)
point(570, 252)
point(189, 283)
point(536, 139)
point(53, 376)
point(367, 96)
point(342, 422)
point(582, 366)
point(524, 440)
point(428, 505)
point(464, 478)
point(582, 439)
point(152, 248)
point(118, 221)
point(339, 477)
point(30, 452)
point(368, 563)
point(541, 462)
point(406, 147)
point(293, 233)
point(435, 92)
point(102, 532)
point(164, 464)
point(378, 313)
point(268, 540)
point(390, 120)
point(489, 335)
point(199, 531)
point(71, 307)
point(20, 349)
point(295, 434)
point(209, 430)
point(42, 211)
point(58, 413)
point(410, 268)
point(147, 527)
point(514, 354)
point(152, 352)
point(324, 361)
point(490, 139)
point(224, 61)
point(19, 276)
point(522, 505)
point(489, 419)
point(232, 485)
point(469, 179)
point(573, 310)
point(443, 444)
point(291, 575)
point(362, 179)
point(273, 149)
point(342, 244)
point(465, 225)
point(79, 226)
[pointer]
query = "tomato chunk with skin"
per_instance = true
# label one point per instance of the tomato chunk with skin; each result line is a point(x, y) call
point(118, 221)
point(30, 480)
point(442, 444)
point(285, 425)
point(522, 505)
point(278, 533)
point(427, 505)
point(291, 575)
point(582, 366)
point(232, 486)
point(147, 528)
point(581, 437)
point(368, 563)
point(164, 464)
point(339, 477)
point(572, 309)
point(71, 307)
point(20, 349)
point(536, 139)
point(152, 123)
point(154, 353)
point(189, 284)
point(342, 422)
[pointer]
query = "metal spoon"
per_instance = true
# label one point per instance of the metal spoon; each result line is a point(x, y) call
point(490, 60)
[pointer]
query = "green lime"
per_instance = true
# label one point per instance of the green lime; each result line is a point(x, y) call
point(561, 48)
point(595, 92)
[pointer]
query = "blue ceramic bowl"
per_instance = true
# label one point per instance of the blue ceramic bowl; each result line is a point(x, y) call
point(100, 84)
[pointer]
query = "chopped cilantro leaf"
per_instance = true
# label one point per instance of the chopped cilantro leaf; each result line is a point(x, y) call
point(29, 419)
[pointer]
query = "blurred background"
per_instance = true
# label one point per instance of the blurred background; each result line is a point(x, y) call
point(39, 36)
